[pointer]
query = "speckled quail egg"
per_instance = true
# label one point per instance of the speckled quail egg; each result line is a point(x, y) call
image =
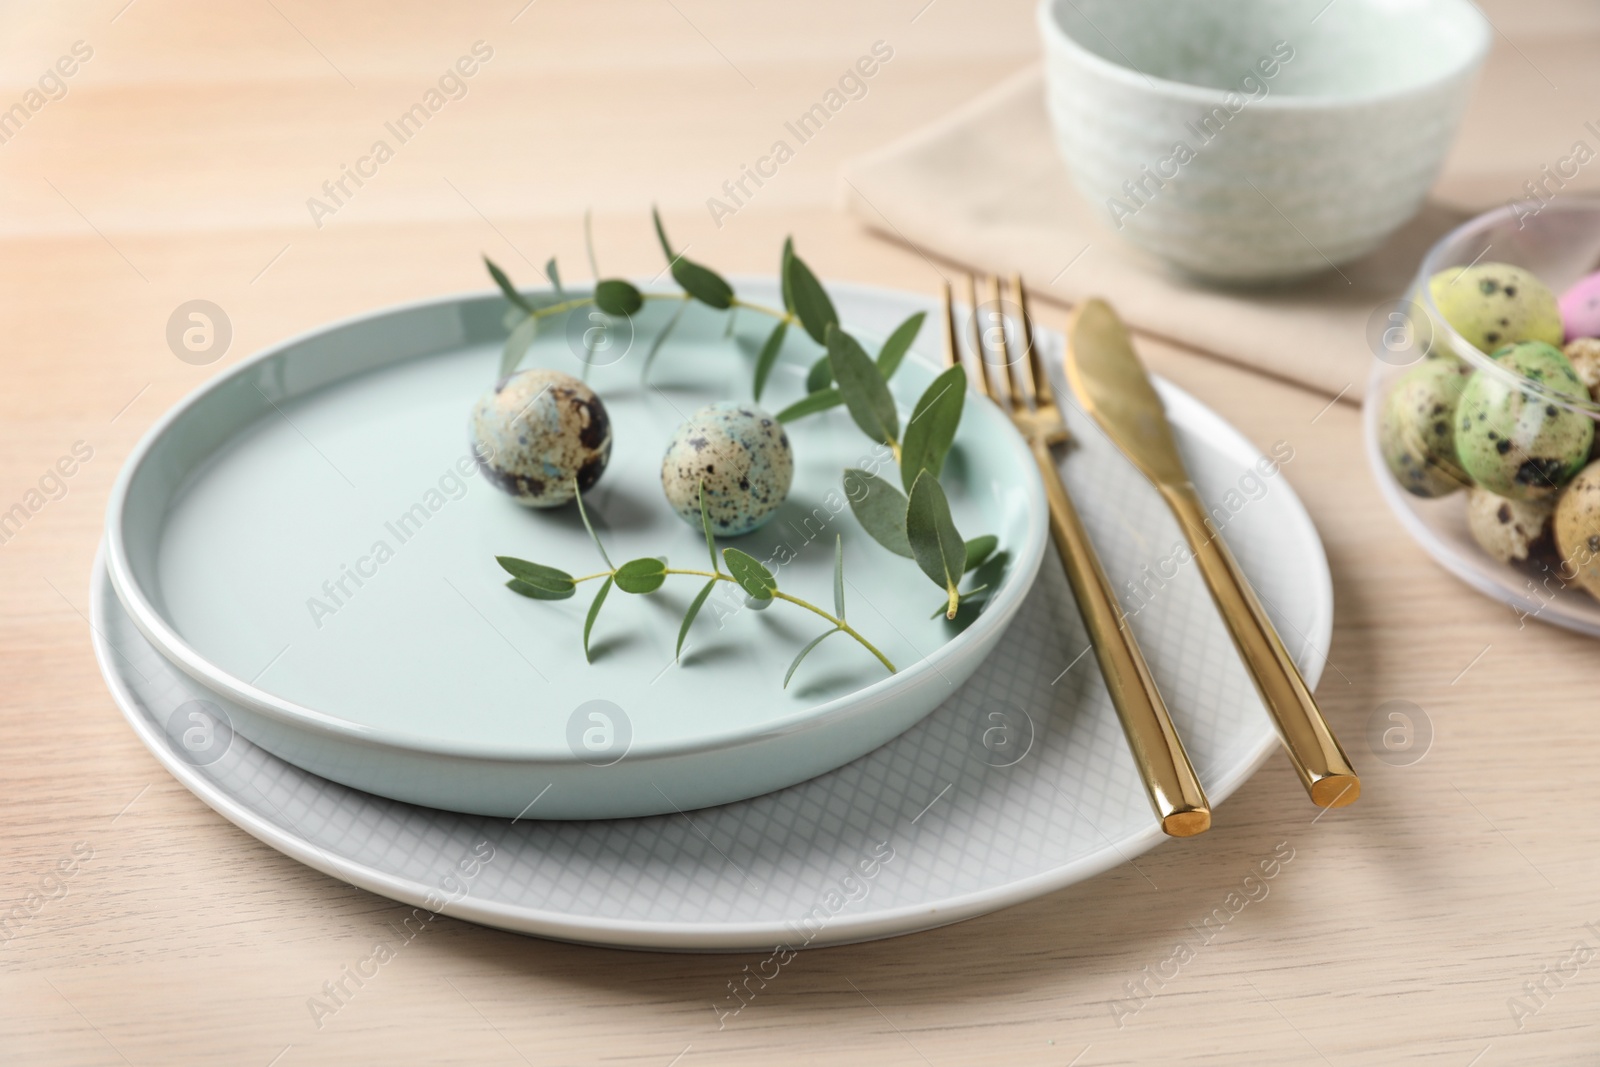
point(1416, 429)
point(1495, 304)
point(1584, 355)
point(1577, 529)
point(741, 455)
point(1580, 308)
point(1513, 441)
point(1512, 531)
point(538, 433)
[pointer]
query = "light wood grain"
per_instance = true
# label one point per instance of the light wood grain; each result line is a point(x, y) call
point(178, 166)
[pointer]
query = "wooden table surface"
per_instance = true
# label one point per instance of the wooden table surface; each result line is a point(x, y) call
point(176, 162)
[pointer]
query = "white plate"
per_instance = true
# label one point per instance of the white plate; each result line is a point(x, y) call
point(1018, 785)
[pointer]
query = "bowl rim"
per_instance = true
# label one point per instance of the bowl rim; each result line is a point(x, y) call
point(152, 623)
point(1055, 34)
point(1453, 343)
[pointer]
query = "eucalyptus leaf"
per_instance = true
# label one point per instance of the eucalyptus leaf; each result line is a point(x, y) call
point(820, 376)
point(894, 350)
point(509, 290)
point(809, 300)
point(936, 544)
point(583, 513)
point(979, 549)
point(705, 524)
point(661, 338)
point(594, 613)
point(838, 575)
point(694, 609)
point(702, 283)
point(769, 356)
point(541, 592)
point(865, 393)
point(534, 573)
point(932, 427)
point(804, 652)
point(551, 272)
point(517, 344)
point(757, 582)
point(783, 274)
point(641, 575)
point(617, 297)
point(810, 405)
point(880, 508)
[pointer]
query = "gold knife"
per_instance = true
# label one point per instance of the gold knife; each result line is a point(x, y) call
point(1113, 387)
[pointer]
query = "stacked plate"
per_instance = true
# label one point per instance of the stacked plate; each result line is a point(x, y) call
point(298, 610)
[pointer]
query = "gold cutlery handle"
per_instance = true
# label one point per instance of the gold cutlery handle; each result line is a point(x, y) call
point(1169, 778)
point(1324, 770)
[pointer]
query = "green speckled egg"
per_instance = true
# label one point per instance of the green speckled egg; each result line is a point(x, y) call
point(1416, 429)
point(1513, 441)
point(538, 433)
point(1495, 304)
point(742, 456)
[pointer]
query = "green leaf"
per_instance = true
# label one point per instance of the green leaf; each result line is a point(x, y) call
point(694, 609)
point(863, 388)
point(536, 580)
point(757, 582)
point(554, 275)
point(506, 287)
point(838, 575)
point(783, 274)
point(517, 344)
point(769, 356)
point(932, 427)
point(705, 524)
point(809, 300)
point(810, 405)
point(661, 338)
point(617, 297)
point(641, 575)
point(702, 283)
point(936, 544)
point(979, 549)
point(880, 508)
point(820, 376)
point(804, 652)
point(583, 512)
point(895, 348)
point(594, 613)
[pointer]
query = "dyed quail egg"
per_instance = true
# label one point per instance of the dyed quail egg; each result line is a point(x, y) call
point(1577, 529)
point(1512, 531)
point(1580, 308)
point(1416, 429)
point(538, 433)
point(742, 457)
point(1584, 355)
point(1494, 304)
point(1513, 441)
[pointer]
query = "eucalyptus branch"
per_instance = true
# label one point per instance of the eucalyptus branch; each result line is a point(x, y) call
point(646, 575)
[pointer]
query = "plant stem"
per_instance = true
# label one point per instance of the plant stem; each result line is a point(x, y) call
point(843, 626)
point(583, 301)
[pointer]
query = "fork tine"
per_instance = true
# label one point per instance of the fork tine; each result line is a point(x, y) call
point(1005, 386)
point(1041, 381)
point(981, 378)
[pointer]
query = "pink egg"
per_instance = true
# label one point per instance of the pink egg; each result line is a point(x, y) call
point(1580, 308)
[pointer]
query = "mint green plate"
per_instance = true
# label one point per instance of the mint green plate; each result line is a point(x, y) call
point(300, 537)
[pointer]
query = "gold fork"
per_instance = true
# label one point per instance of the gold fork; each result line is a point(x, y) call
point(1169, 778)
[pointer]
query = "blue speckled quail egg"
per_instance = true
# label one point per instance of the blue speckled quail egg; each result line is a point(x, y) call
point(1416, 429)
point(1513, 441)
point(537, 433)
point(742, 456)
point(1494, 304)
